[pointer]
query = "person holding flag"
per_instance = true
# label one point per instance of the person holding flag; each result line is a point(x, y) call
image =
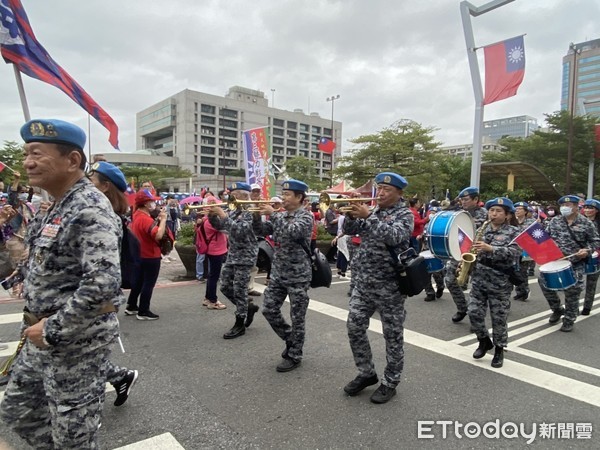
point(577, 237)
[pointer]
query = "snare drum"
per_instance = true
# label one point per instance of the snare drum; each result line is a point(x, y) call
point(593, 264)
point(433, 264)
point(442, 233)
point(558, 275)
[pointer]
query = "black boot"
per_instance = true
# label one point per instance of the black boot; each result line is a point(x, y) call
point(252, 309)
point(485, 344)
point(238, 329)
point(458, 316)
point(498, 357)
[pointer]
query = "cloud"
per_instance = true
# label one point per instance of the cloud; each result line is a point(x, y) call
point(387, 60)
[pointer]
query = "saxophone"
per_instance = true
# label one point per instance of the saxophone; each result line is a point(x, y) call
point(469, 258)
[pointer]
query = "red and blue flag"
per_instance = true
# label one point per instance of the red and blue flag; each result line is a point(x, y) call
point(326, 145)
point(504, 69)
point(18, 45)
point(538, 244)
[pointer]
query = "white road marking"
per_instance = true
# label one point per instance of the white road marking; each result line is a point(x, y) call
point(11, 318)
point(164, 441)
point(557, 361)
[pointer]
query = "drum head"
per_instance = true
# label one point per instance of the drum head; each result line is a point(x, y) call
point(555, 266)
point(427, 254)
point(464, 221)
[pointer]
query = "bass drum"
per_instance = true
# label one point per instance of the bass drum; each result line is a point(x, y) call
point(442, 233)
point(265, 255)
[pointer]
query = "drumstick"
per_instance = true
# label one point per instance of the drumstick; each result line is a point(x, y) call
point(574, 254)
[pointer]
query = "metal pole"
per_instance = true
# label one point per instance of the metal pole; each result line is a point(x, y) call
point(332, 99)
point(571, 118)
point(467, 10)
point(222, 128)
point(22, 94)
point(272, 98)
point(592, 161)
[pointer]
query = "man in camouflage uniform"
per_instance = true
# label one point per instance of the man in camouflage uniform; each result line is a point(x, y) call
point(376, 287)
point(55, 394)
point(490, 286)
point(469, 200)
point(243, 250)
point(526, 264)
point(291, 271)
point(575, 235)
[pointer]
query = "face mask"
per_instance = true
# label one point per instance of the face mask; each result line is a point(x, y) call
point(226, 197)
point(151, 206)
point(566, 210)
point(23, 197)
point(551, 213)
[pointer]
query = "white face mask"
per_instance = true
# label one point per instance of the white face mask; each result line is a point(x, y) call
point(566, 210)
point(23, 197)
point(151, 206)
point(551, 213)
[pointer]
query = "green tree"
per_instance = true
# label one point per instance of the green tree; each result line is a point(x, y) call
point(547, 150)
point(11, 154)
point(405, 147)
point(301, 168)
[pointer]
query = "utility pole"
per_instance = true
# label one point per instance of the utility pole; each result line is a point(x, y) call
point(332, 99)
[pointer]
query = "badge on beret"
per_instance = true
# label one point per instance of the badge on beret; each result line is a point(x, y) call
point(286, 185)
point(95, 166)
point(37, 129)
point(234, 186)
point(387, 179)
point(500, 201)
point(568, 199)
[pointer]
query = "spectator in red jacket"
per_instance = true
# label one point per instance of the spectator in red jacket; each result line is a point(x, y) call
point(414, 205)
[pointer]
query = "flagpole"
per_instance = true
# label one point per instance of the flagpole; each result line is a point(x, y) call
point(22, 95)
point(467, 10)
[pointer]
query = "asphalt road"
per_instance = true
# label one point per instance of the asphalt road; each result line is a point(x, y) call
point(197, 390)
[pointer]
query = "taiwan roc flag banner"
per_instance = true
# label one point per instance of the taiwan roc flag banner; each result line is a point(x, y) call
point(504, 69)
point(538, 244)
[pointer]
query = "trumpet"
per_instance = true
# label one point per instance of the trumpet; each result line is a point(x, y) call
point(325, 201)
point(186, 210)
point(233, 204)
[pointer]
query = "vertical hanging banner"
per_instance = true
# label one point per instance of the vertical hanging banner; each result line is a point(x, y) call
point(257, 158)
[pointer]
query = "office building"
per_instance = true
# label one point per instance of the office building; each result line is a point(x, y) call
point(518, 126)
point(204, 131)
point(580, 90)
point(465, 151)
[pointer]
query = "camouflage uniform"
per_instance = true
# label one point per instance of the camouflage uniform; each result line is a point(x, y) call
point(585, 233)
point(290, 275)
point(376, 288)
point(522, 290)
point(490, 285)
point(479, 216)
point(55, 395)
point(243, 250)
point(591, 281)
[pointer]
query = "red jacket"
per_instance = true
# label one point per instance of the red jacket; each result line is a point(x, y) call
point(419, 223)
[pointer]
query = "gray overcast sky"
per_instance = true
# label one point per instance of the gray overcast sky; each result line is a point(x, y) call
point(388, 59)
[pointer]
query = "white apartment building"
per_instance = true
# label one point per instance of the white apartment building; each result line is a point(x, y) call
point(204, 131)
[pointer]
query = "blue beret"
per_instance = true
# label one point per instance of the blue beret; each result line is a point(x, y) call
point(391, 178)
point(501, 201)
point(522, 205)
point(294, 185)
point(469, 191)
point(593, 202)
point(568, 198)
point(113, 173)
point(53, 131)
point(237, 186)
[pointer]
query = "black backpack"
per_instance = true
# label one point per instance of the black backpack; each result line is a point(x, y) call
point(130, 256)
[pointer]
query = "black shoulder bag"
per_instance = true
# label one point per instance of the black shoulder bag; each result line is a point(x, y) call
point(321, 271)
point(411, 271)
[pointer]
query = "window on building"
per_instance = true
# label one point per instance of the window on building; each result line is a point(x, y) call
point(277, 132)
point(228, 113)
point(208, 109)
point(304, 127)
point(315, 129)
point(207, 160)
point(207, 170)
point(291, 143)
point(292, 134)
point(278, 140)
point(278, 122)
point(229, 123)
point(292, 125)
point(207, 150)
point(207, 119)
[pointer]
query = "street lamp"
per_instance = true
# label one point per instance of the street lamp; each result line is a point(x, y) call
point(574, 77)
point(332, 99)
